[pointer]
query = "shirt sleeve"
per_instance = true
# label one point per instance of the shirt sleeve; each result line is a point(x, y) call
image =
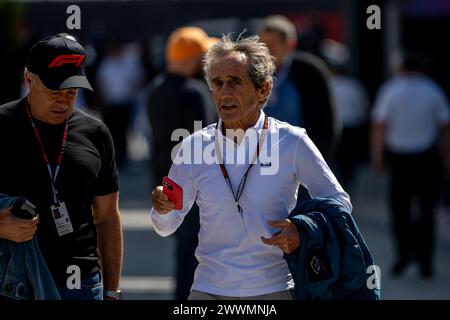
point(181, 173)
point(381, 108)
point(315, 175)
point(442, 106)
point(108, 178)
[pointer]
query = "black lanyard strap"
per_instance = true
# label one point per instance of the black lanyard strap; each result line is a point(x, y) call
point(44, 154)
point(241, 186)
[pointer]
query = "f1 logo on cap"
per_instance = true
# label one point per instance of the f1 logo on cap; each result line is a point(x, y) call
point(76, 59)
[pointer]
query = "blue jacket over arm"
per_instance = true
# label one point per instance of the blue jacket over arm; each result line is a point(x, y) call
point(333, 261)
point(24, 274)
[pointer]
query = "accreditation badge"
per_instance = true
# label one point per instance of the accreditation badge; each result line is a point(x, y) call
point(61, 218)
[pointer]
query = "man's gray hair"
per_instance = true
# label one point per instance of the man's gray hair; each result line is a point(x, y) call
point(261, 65)
point(280, 24)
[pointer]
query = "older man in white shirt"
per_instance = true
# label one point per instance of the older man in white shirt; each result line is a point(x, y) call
point(244, 205)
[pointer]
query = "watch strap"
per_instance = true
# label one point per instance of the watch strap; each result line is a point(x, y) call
point(114, 294)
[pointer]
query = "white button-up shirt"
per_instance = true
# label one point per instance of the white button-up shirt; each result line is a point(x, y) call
point(414, 108)
point(233, 261)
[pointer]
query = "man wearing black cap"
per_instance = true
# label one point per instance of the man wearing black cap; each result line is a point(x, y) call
point(62, 160)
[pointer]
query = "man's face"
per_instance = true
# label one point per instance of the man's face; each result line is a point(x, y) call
point(50, 106)
point(236, 98)
point(278, 47)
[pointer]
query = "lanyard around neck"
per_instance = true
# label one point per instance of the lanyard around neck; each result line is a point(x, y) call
point(44, 154)
point(223, 169)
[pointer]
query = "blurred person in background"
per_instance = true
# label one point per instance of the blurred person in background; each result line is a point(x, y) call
point(302, 94)
point(119, 77)
point(409, 121)
point(352, 110)
point(175, 99)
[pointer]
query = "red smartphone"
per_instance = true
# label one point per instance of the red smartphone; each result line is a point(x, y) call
point(174, 192)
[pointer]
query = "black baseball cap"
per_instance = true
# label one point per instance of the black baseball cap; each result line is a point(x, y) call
point(59, 62)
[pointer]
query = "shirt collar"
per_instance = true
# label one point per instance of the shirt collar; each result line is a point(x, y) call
point(258, 125)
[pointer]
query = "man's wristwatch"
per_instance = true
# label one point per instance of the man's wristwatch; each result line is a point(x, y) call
point(116, 295)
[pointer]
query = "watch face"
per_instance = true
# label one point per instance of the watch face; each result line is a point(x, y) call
point(113, 294)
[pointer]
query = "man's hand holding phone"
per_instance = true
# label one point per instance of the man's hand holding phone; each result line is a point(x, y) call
point(161, 202)
point(167, 197)
point(16, 229)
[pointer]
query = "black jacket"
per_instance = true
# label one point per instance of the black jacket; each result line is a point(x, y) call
point(312, 79)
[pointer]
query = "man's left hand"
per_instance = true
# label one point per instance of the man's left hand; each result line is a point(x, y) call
point(287, 239)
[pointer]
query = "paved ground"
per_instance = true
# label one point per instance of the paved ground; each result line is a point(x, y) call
point(149, 265)
point(372, 216)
